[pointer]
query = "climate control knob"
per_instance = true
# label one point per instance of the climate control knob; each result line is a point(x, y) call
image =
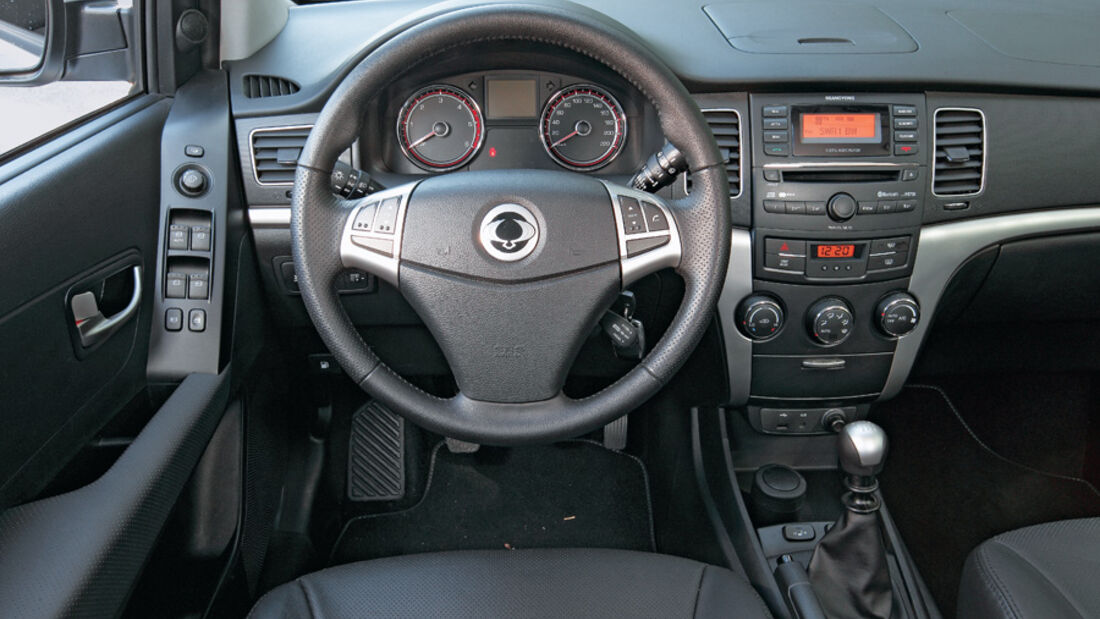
point(830, 321)
point(897, 314)
point(760, 317)
point(842, 207)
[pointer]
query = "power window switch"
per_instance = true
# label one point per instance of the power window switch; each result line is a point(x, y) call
point(175, 286)
point(200, 238)
point(198, 286)
point(178, 236)
point(196, 320)
point(173, 319)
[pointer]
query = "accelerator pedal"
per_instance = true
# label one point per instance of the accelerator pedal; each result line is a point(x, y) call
point(376, 455)
point(614, 434)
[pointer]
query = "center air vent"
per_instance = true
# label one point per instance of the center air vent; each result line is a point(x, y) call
point(275, 153)
point(959, 145)
point(259, 86)
point(726, 127)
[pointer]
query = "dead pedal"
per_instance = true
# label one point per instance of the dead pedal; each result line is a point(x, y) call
point(376, 455)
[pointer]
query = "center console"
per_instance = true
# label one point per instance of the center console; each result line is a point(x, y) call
point(839, 183)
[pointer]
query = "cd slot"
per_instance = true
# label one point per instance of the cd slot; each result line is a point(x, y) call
point(841, 176)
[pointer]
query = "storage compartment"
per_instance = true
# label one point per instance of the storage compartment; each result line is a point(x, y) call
point(803, 377)
point(809, 28)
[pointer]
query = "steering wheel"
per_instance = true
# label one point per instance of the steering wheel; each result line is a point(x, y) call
point(511, 269)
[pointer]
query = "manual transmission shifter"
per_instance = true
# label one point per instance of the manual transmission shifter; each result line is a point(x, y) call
point(848, 571)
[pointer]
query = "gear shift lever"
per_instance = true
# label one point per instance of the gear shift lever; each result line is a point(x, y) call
point(848, 571)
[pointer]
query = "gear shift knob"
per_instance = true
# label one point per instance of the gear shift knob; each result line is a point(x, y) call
point(861, 448)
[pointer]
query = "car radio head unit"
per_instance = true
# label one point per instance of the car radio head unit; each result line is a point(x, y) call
point(840, 130)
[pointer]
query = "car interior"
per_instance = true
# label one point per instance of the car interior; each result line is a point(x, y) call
point(543, 308)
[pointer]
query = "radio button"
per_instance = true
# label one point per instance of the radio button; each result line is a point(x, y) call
point(905, 123)
point(796, 208)
point(776, 136)
point(775, 110)
point(910, 174)
point(905, 136)
point(815, 208)
point(774, 206)
point(784, 246)
point(841, 207)
point(775, 123)
point(905, 110)
point(907, 206)
point(772, 175)
point(905, 149)
point(868, 208)
point(777, 150)
point(887, 207)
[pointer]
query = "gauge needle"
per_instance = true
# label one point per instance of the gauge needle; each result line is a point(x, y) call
point(422, 140)
point(555, 144)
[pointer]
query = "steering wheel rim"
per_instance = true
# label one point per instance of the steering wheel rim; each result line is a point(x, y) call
point(700, 223)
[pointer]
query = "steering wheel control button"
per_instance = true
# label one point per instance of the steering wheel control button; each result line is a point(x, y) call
point(378, 246)
point(200, 238)
point(633, 219)
point(386, 220)
point(510, 232)
point(364, 219)
point(175, 286)
point(898, 314)
point(841, 207)
point(760, 317)
point(830, 321)
point(173, 319)
point(196, 320)
point(178, 237)
point(654, 217)
point(641, 246)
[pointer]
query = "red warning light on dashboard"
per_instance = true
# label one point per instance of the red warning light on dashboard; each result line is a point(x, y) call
point(492, 151)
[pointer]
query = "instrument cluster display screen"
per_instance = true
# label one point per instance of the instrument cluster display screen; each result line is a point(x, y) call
point(841, 128)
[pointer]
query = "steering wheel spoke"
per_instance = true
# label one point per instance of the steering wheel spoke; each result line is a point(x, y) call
point(649, 239)
point(372, 234)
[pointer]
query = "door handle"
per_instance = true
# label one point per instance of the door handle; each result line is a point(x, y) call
point(92, 325)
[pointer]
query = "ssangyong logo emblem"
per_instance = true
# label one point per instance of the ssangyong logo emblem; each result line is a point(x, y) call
point(509, 232)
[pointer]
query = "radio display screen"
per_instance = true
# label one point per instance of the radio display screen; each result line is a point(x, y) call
point(840, 128)
point(835, 251)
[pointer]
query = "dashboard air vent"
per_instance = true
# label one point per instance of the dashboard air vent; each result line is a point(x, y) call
point(959, 145)
point(275, 153)
point(726, 126)
point(259, 86)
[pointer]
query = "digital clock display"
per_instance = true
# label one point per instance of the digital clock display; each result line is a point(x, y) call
point(836, 251)
point(841, 128)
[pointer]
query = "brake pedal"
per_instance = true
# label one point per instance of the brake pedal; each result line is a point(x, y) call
point(376, 455)
point(614, 434)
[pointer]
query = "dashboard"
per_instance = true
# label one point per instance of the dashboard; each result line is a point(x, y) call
point(868, 167)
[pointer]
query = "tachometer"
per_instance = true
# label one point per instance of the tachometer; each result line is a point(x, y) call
point(440, 128)
point(583, 127)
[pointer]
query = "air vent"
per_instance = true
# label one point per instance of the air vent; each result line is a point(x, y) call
point(959, 145)
point(259, 86)
point(275, 153)
point(726, 127)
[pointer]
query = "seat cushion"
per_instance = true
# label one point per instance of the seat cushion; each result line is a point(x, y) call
point(517, 583)
point(1048, 570)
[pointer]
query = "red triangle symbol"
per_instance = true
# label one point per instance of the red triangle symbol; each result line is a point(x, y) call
point(784, 248)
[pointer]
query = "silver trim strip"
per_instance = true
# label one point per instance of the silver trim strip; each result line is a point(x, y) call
point(985, 152)
point(252, 150)
point(943, 248)
point(354, 256)
point(269, 216)
point(737, 286)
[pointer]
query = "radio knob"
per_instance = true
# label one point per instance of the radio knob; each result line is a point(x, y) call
point(830, 321)
point(842, 207)
point(760, 317)
point(897, 314)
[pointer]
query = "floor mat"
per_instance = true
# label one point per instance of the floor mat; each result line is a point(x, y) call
point(948, 491)
point(572, 494)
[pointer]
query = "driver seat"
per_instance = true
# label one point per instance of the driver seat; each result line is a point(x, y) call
point(517, 583)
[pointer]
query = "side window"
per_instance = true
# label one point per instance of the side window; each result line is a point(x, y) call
point(30, 112)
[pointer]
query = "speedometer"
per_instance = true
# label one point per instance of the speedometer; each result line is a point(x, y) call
point(440, 128)
point(583, 127)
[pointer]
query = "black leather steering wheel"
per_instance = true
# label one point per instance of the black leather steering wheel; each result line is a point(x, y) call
point(510, 320)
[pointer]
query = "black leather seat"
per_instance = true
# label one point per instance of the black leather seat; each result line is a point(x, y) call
point(1048, 570)
point(519, 583)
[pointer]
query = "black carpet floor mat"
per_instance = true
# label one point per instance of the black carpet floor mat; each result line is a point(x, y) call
point(948, 490)
point(571, 494)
